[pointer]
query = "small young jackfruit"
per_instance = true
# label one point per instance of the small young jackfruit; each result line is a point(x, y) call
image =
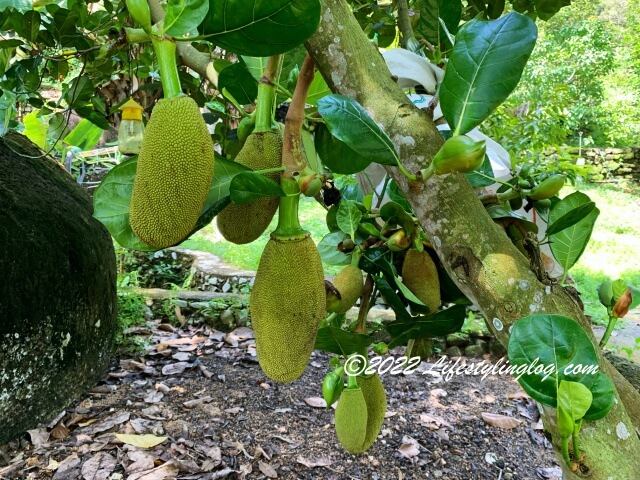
point(351, 420)
point(286, 305)
point(376, 400)
point(349, 283)
point(242, 224)
point(173, 175)
point(420, 275)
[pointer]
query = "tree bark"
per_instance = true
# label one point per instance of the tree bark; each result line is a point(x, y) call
point(477, 254)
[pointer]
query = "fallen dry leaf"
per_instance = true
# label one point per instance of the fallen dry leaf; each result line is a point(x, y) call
point(501, 421)
point(168, 469)
point(433, 422)
point(267, 470)
point(316, 402)
point(409, 447)
point(98, 467)
point(141, 441)
point(69, 468)
point(315, 462)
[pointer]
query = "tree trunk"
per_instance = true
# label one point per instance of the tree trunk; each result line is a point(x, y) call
point(477, 254)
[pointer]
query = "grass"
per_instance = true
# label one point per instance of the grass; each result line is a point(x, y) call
point(611, 252)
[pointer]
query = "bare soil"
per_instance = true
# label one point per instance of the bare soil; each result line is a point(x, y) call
point(223, 418)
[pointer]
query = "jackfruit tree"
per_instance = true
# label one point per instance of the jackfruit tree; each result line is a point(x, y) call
point(417, 223)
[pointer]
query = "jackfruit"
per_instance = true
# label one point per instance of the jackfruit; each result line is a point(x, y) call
point(349, 284)
point(420, 275)
point(173, 175)
point(376, 400)
point(286, 305)
point(242, 224)
point(351, 420)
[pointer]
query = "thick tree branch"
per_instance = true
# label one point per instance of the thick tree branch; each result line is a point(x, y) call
point(475, 251)
point(189, 56)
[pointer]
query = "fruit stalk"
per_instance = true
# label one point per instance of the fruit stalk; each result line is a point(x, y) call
point(165, 50)
point(288, 224)
point(293, 158)
point(267, 95)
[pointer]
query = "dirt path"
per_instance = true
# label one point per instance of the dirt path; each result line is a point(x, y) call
point(223, 418)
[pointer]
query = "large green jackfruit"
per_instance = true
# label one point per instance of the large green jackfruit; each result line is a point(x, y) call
point(376, 400)
point(350, 284)
point(351, 420)
point(242, 224)
point(173, 175)
point(286, 305)
point(420, 275)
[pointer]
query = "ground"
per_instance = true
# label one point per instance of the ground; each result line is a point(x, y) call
point(205, 391)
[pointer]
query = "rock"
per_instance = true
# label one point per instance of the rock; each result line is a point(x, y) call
point(474, 351)
point(57, 289)
point(457, 339)
point(496, 348)
point(453, 352)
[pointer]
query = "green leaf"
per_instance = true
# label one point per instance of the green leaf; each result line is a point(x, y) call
point(239, 82)
point(555, 344)
point(79, 92)
point(350, 123)
point(36, 128)
point(570, 218)
point(338, 341)
point(377, 260)
point(11, 43)
point(484, 68)
point(618, 288)
point(112, 198)
point(111, 204)
point(427, 326)
point(478, 181)
point(574, 398)
point(93, 116)
point(391, 297)
point(568, 245)
point(450, 11)
point(317, 90)
point(184, 16)
point(248, 187)
point(337, 156)
point(394, 213)
point(260, 28)
point(329, 252)
point(85, 135)
point(603, 398)
point(348, 217)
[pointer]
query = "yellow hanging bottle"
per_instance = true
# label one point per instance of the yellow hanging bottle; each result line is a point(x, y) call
point(131, 128)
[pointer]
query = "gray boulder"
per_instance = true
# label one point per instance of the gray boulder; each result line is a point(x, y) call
point(57, 289)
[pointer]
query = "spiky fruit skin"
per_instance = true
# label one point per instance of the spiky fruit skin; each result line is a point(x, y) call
point(420, 275)
point(286, 305)
point(350, 284)
point(351, 420)
point(241, 224)
point(376, 399)
point(173, 175)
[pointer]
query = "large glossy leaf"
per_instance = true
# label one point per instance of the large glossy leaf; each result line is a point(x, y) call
point(338, 341)
point(555, 344)
point(35, 128)
point(184, 16)
point(239, 82)
point(568, 245)
point(111, 204)
point(570, 218)
point(603, 398)
point(329, 251)
point(427, 326)
point(337, 156)
point(112, 198)
point(85, 135)
point(248, 187)
point(485, 66)
point(260, 28)
point(350, 123)
point(575, 398)
point(431, 11)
